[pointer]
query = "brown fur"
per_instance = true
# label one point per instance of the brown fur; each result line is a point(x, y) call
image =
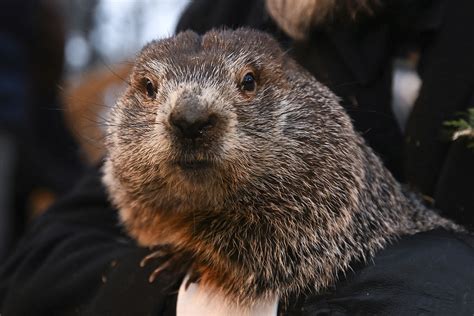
point(293, 194)
point(297, 18)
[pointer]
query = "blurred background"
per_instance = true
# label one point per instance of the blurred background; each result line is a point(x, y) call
point(62, 64)
point(110, 31)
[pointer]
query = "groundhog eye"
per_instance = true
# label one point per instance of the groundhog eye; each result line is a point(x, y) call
point(248, 83)
point(150, 89)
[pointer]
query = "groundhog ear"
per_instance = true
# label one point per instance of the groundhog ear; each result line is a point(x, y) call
point(293, 70)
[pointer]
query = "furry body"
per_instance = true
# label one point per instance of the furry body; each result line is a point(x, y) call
point(278, 196)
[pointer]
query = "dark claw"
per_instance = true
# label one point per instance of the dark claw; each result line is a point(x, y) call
point(194, 277)
point(158, 270)
point(171, 259)
point(160, 253)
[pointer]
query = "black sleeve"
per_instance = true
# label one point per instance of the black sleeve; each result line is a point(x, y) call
point(430, 273)
point(75, 259)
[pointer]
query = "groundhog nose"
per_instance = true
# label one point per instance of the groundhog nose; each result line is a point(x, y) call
point(192, 123)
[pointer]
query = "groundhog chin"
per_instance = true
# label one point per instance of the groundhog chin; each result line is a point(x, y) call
point(193, 162)
point(192, 167)
point(193, 176)
point(189, 179)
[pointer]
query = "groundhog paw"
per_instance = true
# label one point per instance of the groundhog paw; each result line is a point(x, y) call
point(168, 259)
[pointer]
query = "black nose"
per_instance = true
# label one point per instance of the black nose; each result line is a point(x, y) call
point(192, 123)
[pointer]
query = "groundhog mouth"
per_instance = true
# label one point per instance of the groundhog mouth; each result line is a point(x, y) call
point(194, 165)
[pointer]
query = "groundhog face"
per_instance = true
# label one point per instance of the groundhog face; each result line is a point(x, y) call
point(206, 116)
point(226, 149)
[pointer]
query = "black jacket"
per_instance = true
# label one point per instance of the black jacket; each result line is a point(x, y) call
point(76, 260)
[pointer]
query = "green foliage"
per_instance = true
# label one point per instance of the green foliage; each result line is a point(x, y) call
point(462, 127)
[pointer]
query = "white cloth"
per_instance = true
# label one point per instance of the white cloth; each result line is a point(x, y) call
point(199, 301)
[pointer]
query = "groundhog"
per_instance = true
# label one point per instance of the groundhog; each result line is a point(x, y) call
point(225, 149)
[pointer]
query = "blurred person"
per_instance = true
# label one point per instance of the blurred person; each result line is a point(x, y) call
point(94, 267)
point(39, 157)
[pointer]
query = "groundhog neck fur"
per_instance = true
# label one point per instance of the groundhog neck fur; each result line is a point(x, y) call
point(223, 147)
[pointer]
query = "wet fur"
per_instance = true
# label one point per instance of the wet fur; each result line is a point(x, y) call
point(295, 194)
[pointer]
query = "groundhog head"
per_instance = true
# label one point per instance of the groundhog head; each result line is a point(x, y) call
point(223, 146)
